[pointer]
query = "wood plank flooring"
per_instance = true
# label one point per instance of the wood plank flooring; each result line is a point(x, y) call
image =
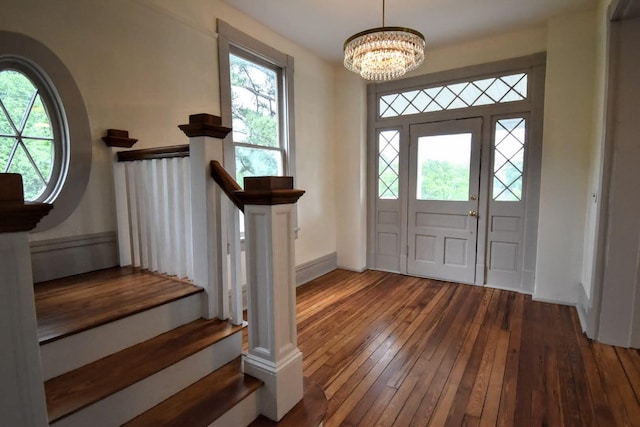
point(75, 304)
point(393, 350)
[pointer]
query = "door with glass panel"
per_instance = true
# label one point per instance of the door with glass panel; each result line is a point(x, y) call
point(444, 180)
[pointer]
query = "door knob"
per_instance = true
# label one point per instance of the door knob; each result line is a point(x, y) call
point(473, 213)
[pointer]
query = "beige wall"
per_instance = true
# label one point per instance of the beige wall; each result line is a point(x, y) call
point(570, 138)
point(351, 161)
point(568, 116)
point(145, 65)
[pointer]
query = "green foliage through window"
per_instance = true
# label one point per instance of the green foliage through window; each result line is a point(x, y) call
point(388, 164)
point(26, 135)
point(444, 167)
point(508, 163)
point(254, 110)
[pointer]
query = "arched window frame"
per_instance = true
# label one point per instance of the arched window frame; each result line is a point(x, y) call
point(38, 60)
point(49, 96)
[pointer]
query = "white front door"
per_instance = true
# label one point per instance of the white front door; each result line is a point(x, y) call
point(444, 180)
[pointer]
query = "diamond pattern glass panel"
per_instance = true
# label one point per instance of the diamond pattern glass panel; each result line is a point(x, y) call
point(388, 164)
point(496, 90)
point(508, 161)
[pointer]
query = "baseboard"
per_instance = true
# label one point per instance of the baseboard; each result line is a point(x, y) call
point(552, 301)
point(355, 270)
point(507, 288)
point(68, 256)
point(583, 306)
point(316, 268)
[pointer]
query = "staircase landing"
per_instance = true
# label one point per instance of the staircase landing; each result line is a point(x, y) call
point(75, 304)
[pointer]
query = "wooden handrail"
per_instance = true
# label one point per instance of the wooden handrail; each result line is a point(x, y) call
point(154, 153)
point(226, 183)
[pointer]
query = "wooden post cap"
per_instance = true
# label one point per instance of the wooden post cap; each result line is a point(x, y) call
point(15, 214)
point(269, 190)
point(118, 138)
point(205, 125)
point(11, 188)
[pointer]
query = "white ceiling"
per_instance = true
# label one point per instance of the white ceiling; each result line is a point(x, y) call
point(323, 25)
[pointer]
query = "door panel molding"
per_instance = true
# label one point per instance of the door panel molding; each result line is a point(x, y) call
point(501, 230)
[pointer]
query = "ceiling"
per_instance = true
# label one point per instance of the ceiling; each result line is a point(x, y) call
point(323, 25)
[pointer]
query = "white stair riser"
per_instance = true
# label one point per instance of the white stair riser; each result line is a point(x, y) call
point(240, 415)
point(67, 354)
point(142, 396)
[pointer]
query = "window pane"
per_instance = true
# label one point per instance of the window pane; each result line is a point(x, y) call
point(508, 162)
point(388, 164)
point(509, 88)
point(26, 134)
point(32, 181)
point(16, 92)
point(254, 103)
point(257, 162)
point(444, 167)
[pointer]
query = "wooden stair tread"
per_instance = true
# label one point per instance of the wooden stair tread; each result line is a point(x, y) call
point(204, 401)
point(75, 304)
point(88, 384)
point(309, 412)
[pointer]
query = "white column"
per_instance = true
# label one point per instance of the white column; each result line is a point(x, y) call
point(22, 402)
point(209, 242)
point(206, 224)
point(273, 355)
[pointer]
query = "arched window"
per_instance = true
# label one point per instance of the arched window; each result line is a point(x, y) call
point(44, 128)
point(33, 141)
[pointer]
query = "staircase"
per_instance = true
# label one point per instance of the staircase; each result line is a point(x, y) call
point(127, 346)
point(123, 346)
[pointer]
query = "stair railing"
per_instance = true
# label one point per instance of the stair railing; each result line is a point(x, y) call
point(148, 206)
point(153, 209)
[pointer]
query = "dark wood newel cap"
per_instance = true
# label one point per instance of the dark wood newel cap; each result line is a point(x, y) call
point(205, 125)
point(118, 138)
point(269, 190)
point(15, 214)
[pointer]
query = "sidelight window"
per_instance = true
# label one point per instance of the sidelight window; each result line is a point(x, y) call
point(508, 162)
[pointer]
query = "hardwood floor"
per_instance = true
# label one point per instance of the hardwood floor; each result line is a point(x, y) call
point(393, 350)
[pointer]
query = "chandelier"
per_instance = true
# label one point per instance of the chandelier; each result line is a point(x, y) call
point(384, 53)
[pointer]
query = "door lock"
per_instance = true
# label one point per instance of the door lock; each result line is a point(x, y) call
point(473, 197)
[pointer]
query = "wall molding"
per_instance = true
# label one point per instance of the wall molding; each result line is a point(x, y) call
point(583, 306)
point(68, 256)
point(313, 269)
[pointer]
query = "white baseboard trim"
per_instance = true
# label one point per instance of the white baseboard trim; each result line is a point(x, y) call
point(583, 306)
point(507, 288)
point(68, 256)
point(552, 301)
point(315, 268)
point(355, 270)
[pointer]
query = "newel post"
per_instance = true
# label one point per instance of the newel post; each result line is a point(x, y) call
point(22, 402)
point(205, 134)
point(273, 356)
